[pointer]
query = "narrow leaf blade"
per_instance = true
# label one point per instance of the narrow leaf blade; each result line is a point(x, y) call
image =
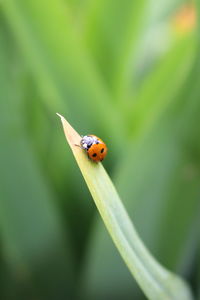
point(155, 281)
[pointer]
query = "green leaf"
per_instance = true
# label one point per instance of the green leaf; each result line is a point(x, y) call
point(162, 85)
point(35, 247)
point(111, 33)
point(61, 66)
point(155, 281)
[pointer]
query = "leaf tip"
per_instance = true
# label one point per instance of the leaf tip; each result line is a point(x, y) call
point(71, 135)
point(59, 115)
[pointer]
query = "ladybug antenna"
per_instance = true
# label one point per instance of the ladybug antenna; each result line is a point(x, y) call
point(77, 145)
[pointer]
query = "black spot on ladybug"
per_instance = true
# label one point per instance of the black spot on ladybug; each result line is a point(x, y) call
point(94, 155)
point(102, 150)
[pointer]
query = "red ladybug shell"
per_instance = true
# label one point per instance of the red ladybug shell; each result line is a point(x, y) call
point(97, 152)
point(95, 147)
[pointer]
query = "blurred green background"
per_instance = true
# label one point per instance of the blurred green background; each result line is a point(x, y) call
point(129, 72)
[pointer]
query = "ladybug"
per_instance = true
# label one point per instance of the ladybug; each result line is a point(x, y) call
point(95, 147)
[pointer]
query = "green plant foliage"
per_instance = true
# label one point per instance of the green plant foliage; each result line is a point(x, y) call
point(155, 281)
point(35, 247)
